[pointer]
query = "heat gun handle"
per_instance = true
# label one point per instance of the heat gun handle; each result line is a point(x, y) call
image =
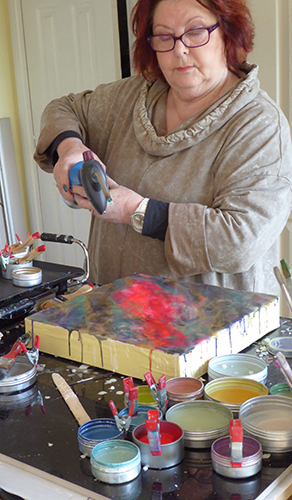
point(74, 174)
point(57, 238)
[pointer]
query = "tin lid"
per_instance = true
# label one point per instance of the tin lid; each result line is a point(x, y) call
point(26, 273)
point(238, 365)
point(280, 344)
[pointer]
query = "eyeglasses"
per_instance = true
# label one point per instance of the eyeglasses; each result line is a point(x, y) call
point(191, 39)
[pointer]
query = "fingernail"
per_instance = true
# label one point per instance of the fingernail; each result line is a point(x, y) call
point(65, 188)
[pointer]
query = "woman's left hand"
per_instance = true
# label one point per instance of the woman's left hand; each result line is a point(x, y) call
point(119, 210)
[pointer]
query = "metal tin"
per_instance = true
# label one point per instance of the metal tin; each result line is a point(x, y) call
point(26, 276)
point(280, 344)
point(7, 272)
point(115, 461)
point(141, 416)
point(238, 365)
point(282, 389)
point(269, 420)
point(20, 399)
point(95, 431)
point(202, 421)
point(180, 389)
point(232, 392)
point(144, 397)
point(251, 458)
point(21, 376)
point(172, 453)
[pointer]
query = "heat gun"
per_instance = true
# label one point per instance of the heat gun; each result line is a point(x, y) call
point(91, 175)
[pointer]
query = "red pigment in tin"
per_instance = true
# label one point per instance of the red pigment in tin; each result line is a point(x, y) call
point(165, 438)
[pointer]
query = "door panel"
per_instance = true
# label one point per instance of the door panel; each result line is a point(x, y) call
point(71, 45)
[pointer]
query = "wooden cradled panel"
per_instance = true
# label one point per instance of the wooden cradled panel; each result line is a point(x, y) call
point(143, 323)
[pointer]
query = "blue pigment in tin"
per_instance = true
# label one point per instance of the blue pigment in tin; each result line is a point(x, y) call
point(95, 431)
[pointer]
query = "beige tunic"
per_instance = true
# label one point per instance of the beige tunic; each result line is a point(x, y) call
point(226, 174)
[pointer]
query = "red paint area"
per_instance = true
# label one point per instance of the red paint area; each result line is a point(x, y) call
point(165, 438)
point(157, 308)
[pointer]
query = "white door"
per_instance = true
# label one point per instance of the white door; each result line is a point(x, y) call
point(69, 46)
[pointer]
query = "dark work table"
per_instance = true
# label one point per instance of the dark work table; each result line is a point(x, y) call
point(39, 430)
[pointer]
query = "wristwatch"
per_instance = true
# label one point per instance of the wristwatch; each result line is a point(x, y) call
point(137, 219)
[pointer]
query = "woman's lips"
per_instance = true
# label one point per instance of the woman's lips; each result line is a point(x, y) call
point(183, 69)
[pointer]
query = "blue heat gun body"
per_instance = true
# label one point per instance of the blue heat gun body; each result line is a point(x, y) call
point(91, 175)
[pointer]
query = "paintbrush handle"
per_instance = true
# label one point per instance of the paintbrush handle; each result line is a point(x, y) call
point(283, 287)
point(32, 254)
point(71, 399)
point(26, 243)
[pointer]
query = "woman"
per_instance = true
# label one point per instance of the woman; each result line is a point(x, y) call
point(198, 158)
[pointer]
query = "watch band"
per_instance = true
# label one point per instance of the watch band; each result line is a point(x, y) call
point(137, 219)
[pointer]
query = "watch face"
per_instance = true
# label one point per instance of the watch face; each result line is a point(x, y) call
point(137, 221)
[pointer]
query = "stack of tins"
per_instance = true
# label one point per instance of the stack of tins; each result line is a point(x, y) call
point(197, 424)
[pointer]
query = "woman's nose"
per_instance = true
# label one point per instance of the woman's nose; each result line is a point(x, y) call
point(180, 48)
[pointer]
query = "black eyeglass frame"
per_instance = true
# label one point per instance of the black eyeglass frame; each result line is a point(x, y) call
point(210, 29)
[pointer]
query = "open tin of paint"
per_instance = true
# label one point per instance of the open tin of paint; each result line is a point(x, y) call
point(269, 420)
point(21, 376)
point(96, 431)
point(281, 389)
point(233, 391)
point(115, 461)
point(140, 417)
point(145, 397)
point(202, 421)
point(172, 445)
point(238, 365)
point(251, 458)
point(180, 389)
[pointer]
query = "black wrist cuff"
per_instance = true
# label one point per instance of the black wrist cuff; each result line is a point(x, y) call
point(156, 219)
point(51, 151)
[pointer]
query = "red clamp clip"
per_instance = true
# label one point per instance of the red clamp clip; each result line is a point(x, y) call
point(236, 442)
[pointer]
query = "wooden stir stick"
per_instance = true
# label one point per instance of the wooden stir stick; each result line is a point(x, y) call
point(71, 399)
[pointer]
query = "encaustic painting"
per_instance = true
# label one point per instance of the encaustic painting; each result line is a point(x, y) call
point(154, 312)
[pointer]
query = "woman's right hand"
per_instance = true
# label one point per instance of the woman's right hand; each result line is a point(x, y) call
point(70, 152)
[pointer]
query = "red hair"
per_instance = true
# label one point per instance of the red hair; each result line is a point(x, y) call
point(235, 22)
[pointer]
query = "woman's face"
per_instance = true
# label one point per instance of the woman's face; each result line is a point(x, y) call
point(194, 71)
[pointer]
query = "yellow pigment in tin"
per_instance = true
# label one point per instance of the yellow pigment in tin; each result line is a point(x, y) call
point(234, 395)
